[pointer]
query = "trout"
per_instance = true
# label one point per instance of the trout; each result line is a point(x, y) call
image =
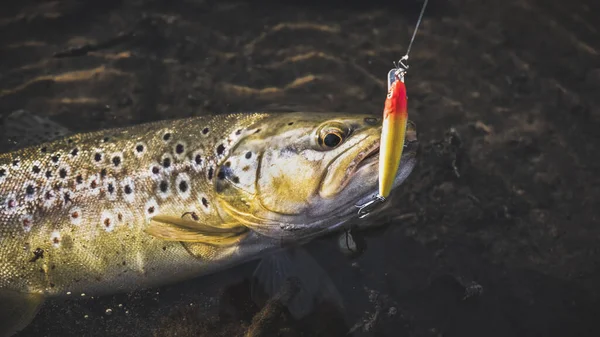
point(122, 209)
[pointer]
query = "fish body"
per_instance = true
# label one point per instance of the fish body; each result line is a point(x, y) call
point(122, 209)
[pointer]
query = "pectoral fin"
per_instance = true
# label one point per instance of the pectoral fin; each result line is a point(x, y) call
point(296, 279)
point(17, 310)
point(171, 228)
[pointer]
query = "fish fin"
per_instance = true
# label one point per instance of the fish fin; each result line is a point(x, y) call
point(297, 268)
point(172, 228)
point(17, 311)
point(22, 128)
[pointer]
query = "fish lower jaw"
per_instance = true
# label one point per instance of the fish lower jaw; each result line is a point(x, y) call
point(369, 159)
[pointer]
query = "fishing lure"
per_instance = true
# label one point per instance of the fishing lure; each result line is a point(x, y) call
point(395, 117)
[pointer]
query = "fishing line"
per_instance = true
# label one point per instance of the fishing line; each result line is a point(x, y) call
point(401, 67)
point(412, 39)
point(397, 73)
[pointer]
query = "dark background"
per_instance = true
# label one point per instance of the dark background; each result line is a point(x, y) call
point(496, 231)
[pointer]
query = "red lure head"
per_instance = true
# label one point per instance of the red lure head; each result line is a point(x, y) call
point(396, 101)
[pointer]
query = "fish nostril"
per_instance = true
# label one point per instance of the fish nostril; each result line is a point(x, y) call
point(371, 120)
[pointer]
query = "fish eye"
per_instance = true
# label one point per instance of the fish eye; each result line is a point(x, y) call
point(331, 136)
point(332, 140)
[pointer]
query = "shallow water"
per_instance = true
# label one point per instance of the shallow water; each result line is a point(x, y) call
point(495, 232)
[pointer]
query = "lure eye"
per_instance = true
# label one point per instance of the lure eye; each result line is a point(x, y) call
point(331, 136)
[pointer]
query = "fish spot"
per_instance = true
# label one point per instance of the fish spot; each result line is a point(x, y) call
point(106, 139)
point(197, 160)
point(94, 186)
point(75, 152)
point(155, 170)
point(36, 169)
point(235, 179)
point(55, 158)
point(183, 185)
point(3, 173)
point(166, 137)
point(211, 171)
point(49, 174)
point(179, 150)
point(67, 198)
point(164, 186)
point(27, 222)
point(248, 155)
point(257, 131)
point(10, 203)
point(204, 202)
point(151, 208)
point(30, 189)
point(107, 219)
point(38, 253)
point(128, 190)
point(98, 157)
point(44, 149)
point(163, 190)
point(291, 123)
point(110, 187)
point(16, 163)
point(49, 199)
point(76, 216)
point(79, 179)
point(220, 149)
point(55, 239)
point(116, 159)
point(103, 173)
point(166, 161)
point(238, 132)
point(140, 149)
point(63, 171)
point(205, 131)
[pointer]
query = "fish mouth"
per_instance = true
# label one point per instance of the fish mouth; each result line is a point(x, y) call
point(371, 157)
point(358, 163)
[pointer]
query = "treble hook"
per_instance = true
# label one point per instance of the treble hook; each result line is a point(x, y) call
point(367, 208)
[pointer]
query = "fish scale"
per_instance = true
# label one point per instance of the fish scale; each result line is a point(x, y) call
point(89, 203)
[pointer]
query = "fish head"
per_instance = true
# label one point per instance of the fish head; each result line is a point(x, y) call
point(301, 174)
